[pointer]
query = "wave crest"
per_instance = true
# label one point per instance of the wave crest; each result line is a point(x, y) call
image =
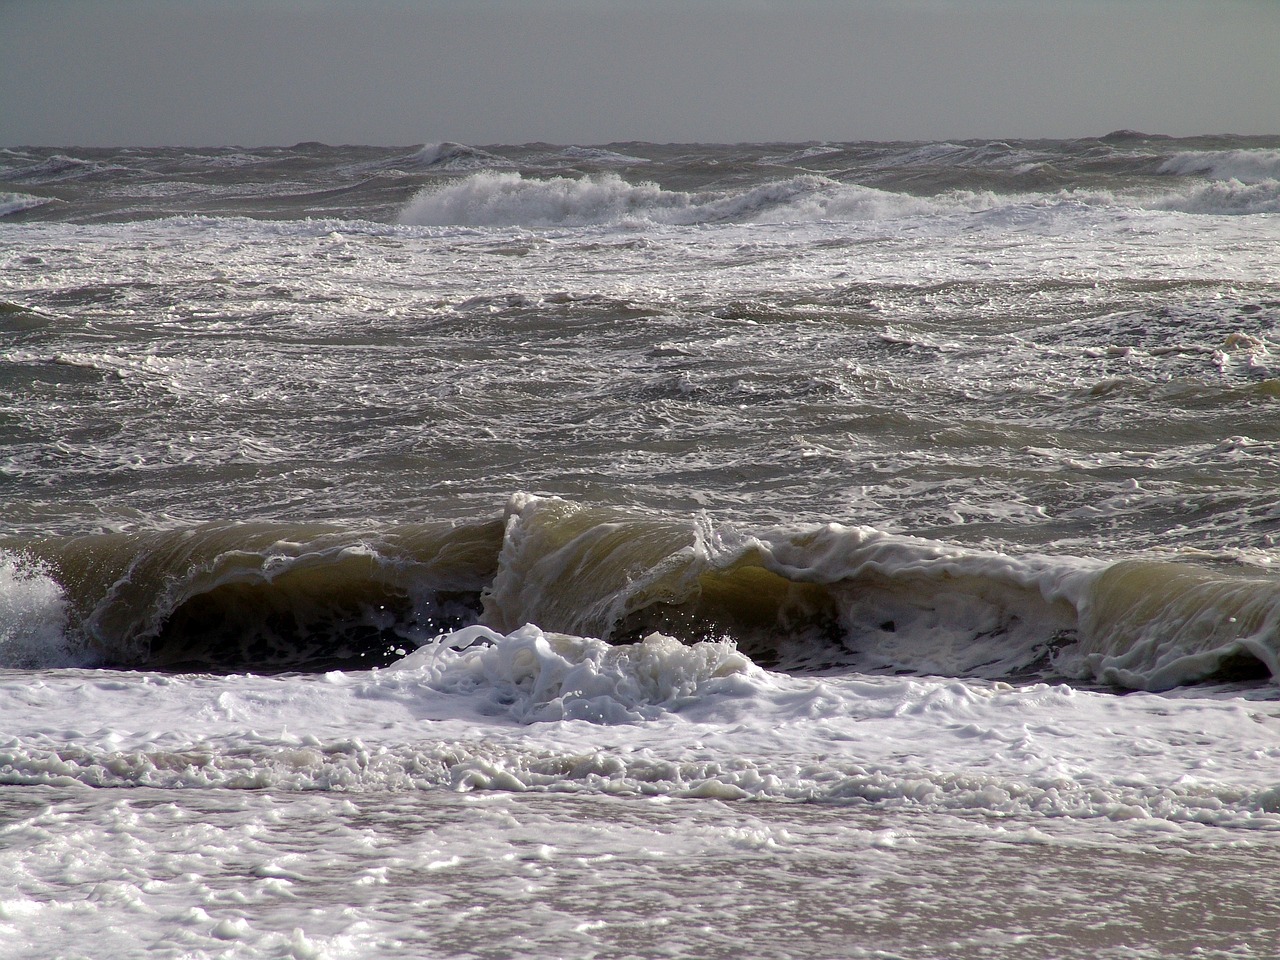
point(502, 199)
point(493, 198)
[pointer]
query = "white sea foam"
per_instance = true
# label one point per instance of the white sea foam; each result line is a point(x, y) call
point(535, 712)
point(537, 677)
point(325, 875)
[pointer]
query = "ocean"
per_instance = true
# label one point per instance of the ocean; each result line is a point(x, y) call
point(641, 550)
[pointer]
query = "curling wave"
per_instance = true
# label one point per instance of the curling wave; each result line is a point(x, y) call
point(256, 597)
point(270, 597)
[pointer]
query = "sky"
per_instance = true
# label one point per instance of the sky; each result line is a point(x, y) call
point(402, 72)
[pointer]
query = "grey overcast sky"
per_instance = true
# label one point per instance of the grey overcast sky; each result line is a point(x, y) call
point(392, 72)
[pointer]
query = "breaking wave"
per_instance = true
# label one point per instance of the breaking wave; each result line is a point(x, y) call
point(1227, 197)
point(1245, 166)
point(60, 167)
point(264, 597)
point(1241, 181)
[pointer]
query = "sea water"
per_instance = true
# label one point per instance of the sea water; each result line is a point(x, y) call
point(826, 550)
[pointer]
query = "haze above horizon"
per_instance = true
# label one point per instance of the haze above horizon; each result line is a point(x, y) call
point(151, 72)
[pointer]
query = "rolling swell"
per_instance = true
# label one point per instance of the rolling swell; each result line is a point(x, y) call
point(270, 597)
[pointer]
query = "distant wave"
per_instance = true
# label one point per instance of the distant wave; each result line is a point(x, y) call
point(599, 156)
point(58, 168)
point(11, 203)
point(502, 199)
point(232, 160)
point(996, 154)
point(508, 199)
point(450, 156)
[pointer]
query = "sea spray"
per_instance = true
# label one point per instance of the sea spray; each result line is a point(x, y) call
point(33, 615)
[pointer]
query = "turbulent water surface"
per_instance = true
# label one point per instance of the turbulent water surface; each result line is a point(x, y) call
point(426, 551)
